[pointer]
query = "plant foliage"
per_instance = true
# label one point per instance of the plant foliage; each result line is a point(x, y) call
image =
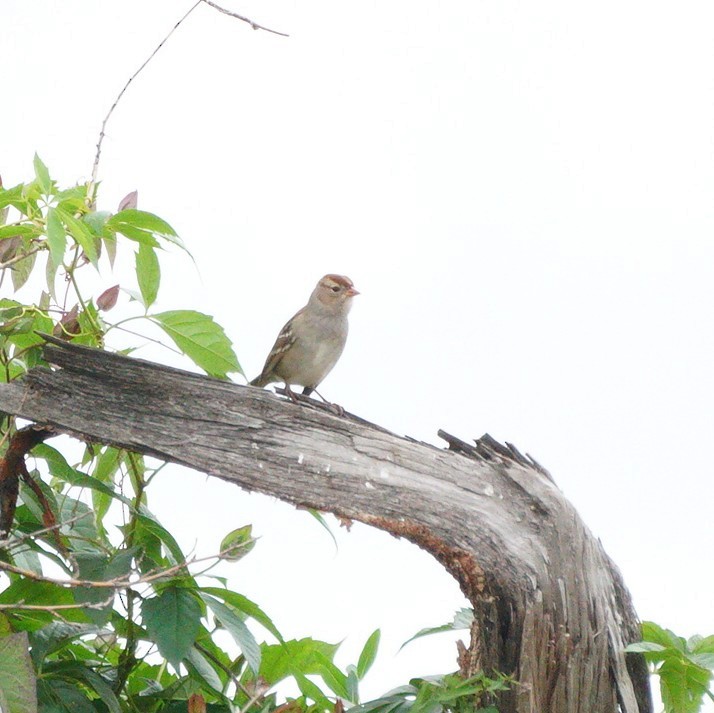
point(684, 666)
point(100, 609)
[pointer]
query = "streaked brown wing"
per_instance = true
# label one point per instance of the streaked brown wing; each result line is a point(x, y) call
point(285, 340)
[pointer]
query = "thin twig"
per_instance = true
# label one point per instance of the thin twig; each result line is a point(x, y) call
point(95, 167)
point(22, 256)
point(117, 583)
point(119, 325)
point(254, 25)
point(106, 584)
point(57, 607)
point(14, 541)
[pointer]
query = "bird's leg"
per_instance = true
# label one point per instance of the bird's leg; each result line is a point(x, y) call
point(291, 395)
point(335, 407)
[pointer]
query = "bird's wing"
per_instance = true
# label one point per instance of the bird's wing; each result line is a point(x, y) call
point(285, 340)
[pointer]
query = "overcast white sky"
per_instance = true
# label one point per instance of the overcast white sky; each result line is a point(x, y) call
point(521, 191)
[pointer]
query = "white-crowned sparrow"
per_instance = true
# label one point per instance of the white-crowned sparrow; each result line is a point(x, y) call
point(310, 344)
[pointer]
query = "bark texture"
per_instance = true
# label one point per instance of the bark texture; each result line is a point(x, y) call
point(550, 606)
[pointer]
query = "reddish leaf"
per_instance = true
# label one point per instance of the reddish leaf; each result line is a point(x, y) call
point(196, 704)
point(130, 200)
point(68, 325)
point(108, 298)
point(8, 247)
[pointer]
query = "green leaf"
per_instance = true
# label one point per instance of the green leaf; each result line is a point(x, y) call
point(369, 653)
point(60, 469)
point(149, 523)
point(136, 234)
point(21, 271)
point(93, 567)
point(105, 467)
point(74, 670)
point(705, 660)
point(702, 644)
point(172, 620)
point(10, 308)
point(81, 233)
point(17, 676)
point(27, 591)
point(12, 196)
point(352, 684)
point(462, 620)
point(237, 629)
point(79, 525)
point(204, 669)
point(96, 221)
point(51, 278)
point(303, 656)
point(238, 543)
point(201, 339)
point(23, 231)
point(148, 274)
point(56, 696)
point(642, 647)
point(319, 517)
point(245, 605)
point(396, 701)
point(655, 633)
point(145, 222)
point(54, 637)
point(110, 244)
point(24, 335)
point(42, 175)
point(333, 677)
point(682, 685)
point(312, 691)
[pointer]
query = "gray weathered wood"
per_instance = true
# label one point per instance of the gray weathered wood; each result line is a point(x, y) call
point(550, 605)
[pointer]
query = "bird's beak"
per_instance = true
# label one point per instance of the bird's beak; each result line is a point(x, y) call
point(351, 292)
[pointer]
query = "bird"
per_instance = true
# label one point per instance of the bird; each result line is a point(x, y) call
point(310, 344)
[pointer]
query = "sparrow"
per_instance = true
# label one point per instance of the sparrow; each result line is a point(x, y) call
point(310, 344)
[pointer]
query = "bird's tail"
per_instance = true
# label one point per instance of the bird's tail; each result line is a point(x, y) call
point(261, 381)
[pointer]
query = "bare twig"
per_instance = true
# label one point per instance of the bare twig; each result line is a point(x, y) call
point(14, 541)
point(57, 607)
point(254, 25)
point(95, 167)
point(117, 583)
point(21, 256)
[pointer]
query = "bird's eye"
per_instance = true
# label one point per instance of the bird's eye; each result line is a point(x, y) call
point(335, 288)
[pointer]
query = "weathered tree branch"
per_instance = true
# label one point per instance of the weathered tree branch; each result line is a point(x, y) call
point(550, 607)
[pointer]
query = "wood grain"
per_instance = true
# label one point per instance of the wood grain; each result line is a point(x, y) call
point(550, 606)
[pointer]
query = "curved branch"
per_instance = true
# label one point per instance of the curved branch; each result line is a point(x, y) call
point(550, 607)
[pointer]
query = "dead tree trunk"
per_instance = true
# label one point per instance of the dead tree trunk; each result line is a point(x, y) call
point(550, 606)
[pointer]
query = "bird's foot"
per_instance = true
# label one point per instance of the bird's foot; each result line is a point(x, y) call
point(336, 408)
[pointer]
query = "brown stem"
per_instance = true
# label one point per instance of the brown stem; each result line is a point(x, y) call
point(12, 466)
